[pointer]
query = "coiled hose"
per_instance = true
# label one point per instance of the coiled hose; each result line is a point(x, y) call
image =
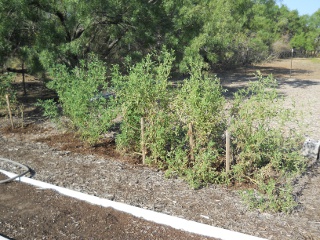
point(27, 169)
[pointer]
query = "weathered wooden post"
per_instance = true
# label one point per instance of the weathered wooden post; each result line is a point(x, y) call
point(9, 110)
point(191, 142)
point(21, 107)
point(143, 146)
point(228, 153)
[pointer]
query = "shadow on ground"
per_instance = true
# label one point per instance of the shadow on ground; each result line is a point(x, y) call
point(298, 83)
point(239, 78)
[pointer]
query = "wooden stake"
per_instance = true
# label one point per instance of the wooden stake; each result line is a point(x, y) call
point(9, 110)
point(143, 146)
point(228, 154)
point(22, 115)
point(191, 141)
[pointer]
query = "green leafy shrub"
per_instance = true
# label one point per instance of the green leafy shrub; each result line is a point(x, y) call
point(146, 92)
point(266, 149)
point(271, 196)
point(6, 88)
point(184, 125)
point(159, 136)
point(49, 107)
point(143, 92)
point(199, 104)
point(78, 90)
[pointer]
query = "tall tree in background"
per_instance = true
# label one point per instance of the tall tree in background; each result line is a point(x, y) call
point(308, 39)
point(66, 31)
point(14, 32)
point(220, 33)
point(210, 31)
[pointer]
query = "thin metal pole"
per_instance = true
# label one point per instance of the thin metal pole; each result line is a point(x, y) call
point(291, 62)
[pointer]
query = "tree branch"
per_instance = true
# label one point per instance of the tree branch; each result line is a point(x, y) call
point(17, 70)
point(57, 13)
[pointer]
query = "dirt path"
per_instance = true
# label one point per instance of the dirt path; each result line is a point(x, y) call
point(58, 158)
point(32, 213)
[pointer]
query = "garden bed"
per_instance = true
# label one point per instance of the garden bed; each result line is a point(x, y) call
point(60, 158)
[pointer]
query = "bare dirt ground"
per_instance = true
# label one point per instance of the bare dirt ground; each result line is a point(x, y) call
point(58, 157)
point(32, 213)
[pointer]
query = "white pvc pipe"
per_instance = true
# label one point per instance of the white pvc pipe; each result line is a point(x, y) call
point(160, 218)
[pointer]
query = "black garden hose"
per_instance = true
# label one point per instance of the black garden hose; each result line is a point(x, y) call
point(27, 169)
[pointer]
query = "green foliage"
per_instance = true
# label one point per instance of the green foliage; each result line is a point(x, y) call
point(183, 125)
point(185, 122)
point(199, 102)
point(160, 136)
point(306, 41)
point(211, 31)
point(49, 107)
point(141, 93)
point(217, 32)
point(67, 32)
point(78, 90)
point(184, 128)
point(308, 38)
point(167, 112)
point(271, 197)
point(266, 149)
point(6, 88)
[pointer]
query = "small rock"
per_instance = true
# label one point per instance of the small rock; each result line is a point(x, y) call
point(311, 149)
